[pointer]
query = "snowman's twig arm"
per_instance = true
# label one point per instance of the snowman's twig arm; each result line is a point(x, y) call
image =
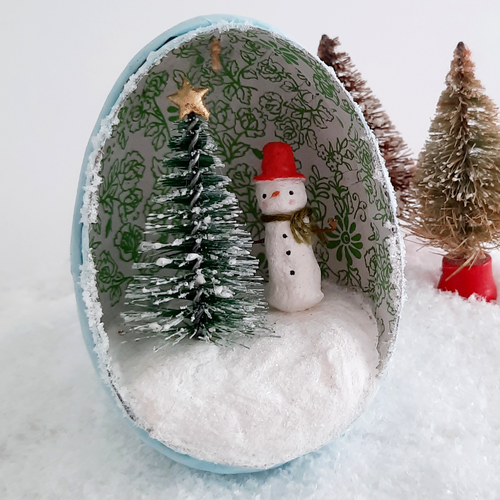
point(321, 232)
point(259, 241)
point(331, 229)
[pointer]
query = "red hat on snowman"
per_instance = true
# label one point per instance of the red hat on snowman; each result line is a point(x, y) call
point(278, 163)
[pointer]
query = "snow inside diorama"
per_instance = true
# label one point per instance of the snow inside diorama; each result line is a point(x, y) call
point(167, 255)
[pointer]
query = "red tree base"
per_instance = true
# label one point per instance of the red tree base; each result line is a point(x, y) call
point(476, 279)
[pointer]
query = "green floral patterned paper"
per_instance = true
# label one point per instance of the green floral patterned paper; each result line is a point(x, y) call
point(268, 90)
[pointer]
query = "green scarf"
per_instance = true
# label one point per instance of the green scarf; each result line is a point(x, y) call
point(302, 231)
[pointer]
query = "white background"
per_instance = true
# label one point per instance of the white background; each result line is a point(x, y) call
point(434, 429)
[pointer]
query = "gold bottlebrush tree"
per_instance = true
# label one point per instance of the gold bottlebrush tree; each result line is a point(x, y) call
point(397, 156)
point(456, 187)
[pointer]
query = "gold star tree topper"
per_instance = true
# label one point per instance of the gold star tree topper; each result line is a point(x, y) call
point(190, 100)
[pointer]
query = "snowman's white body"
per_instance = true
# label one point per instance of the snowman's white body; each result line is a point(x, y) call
point(294, 274)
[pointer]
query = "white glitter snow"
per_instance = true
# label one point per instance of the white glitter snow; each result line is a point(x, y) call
point(258, 407)
point(432, 432)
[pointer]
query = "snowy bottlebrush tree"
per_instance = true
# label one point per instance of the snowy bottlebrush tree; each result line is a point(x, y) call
point(200, 279)
point(396, 153)
point(457, 181)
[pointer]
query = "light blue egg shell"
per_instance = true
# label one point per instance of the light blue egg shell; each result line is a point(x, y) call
point(359, 194)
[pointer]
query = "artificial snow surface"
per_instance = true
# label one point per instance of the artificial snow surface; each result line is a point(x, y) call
point(432, 432)
point(265, 405)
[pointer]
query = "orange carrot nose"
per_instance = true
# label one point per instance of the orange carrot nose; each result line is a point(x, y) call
point(276, 193)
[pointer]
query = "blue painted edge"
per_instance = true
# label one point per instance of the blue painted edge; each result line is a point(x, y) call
point(76, 255)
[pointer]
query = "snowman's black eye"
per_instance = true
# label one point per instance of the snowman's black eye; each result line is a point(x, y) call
point(264, 195)
point(291, 192)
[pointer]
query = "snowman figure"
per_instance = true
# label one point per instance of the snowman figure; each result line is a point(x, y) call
point(294, 274)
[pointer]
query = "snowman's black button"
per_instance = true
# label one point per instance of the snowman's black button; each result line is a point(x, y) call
point(292, 272)
point(288, 252)
point(285, 236)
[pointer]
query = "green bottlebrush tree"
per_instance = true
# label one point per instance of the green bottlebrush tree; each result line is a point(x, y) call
point(200, 280)
point(395, 152)
point(456, 186)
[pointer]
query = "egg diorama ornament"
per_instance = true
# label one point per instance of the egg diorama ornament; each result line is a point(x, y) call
point(168, 230)
point(294, 274)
